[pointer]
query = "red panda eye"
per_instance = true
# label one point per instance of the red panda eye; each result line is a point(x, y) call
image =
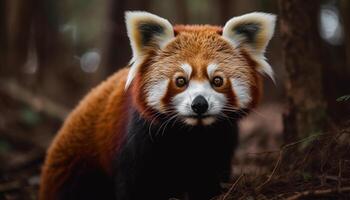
point(218, 81)
point(180, 82)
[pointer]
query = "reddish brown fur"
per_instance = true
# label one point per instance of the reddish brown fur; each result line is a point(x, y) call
point(93, 131)
point(200, 45)
point(90, 135)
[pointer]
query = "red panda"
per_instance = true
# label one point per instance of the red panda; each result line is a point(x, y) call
point(166, 125)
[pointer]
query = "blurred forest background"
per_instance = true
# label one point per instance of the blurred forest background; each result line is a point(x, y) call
point(296, 143)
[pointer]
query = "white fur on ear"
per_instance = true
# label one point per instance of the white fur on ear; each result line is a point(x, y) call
point(145, 30)
point(253, 31)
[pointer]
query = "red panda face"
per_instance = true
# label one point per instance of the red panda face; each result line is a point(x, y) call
point(201, 74)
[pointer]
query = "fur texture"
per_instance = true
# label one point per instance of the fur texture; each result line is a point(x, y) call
point(138, 135)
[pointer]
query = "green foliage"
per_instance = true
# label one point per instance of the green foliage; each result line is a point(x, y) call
point(343, 98)
point(30, 117)
point(306, 176)
point(308, 141)
point(4, 146)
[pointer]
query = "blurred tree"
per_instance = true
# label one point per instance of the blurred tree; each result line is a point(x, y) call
point(38, 58)
point(335, 54)
point(18, 22)
point(240, 7)
point(304, 64)
point(3, 37)
point(224, 11)
point(118, 52)
point(48, 43)
point(345, 11)
point(181, 9)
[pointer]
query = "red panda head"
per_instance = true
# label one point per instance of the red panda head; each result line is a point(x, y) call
point(198, 73)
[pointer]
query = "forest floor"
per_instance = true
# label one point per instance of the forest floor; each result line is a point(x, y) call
point(317, 166)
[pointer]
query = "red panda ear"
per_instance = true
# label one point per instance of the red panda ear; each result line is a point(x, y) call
point(145, 30)
point(252, 31)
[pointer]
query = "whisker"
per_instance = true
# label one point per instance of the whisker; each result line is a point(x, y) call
point(150, 126)
point(168, 123)
point(164, 123)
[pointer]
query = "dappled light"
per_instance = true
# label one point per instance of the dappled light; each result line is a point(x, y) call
point(331, 28)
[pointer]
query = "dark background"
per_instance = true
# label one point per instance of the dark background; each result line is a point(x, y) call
point(53, 52)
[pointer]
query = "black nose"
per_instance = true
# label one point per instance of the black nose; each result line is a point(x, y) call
point(199, 105)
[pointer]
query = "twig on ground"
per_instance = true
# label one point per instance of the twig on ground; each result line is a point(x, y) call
point(333, 178)
point(4, 187)
point(39, 103)
point(339, 174)
point(280, 156)
point(273, 171)
point(232, 187)
point(20, 138)
point(323, 192)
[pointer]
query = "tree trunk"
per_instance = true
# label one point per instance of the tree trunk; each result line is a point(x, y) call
point(181, 10)
point(3, 37)
point(303, 63)
point(18, 20)
point(337, 69)
point(224, 11)
point(118, 51)
point(345, 7)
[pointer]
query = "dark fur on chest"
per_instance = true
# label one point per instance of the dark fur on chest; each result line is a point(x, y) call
point(159, 162)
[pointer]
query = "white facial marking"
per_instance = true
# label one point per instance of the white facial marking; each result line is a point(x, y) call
point(182, 102)
point(208, 120)
point(132, 72)
point(266, 69)
point(205, 121)
point(191, 121)
point(187, 69)
point(211, 69)
point(156, 92)
point(242, 91)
